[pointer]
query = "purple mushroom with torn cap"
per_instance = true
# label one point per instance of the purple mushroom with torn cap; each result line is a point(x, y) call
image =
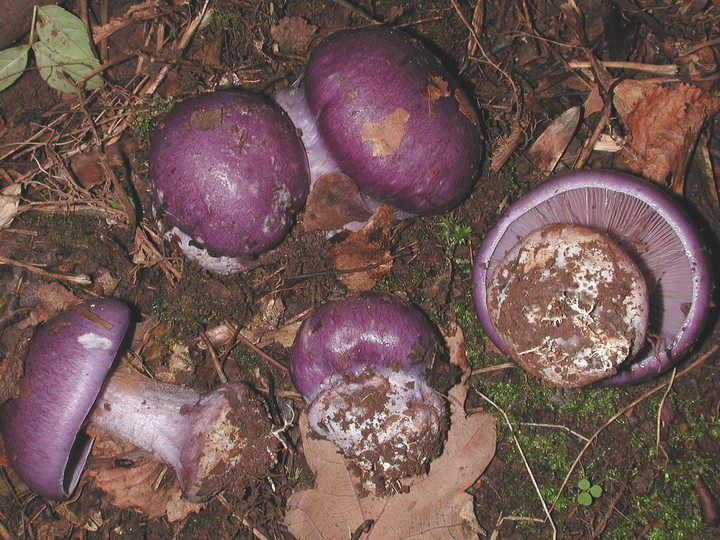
point(229, 173)
point(68, 395)
point(593, 276)
point(360, 364)
point(376, 106)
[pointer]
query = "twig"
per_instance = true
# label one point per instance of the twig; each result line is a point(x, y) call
point(488, 369)
point(180, 47)
point(79, 279)
point(5, 533)
point(257, 350)
point(356, 10)
point(622, 411)
point(665, 69)
point(660, 408)
point(554, 426)
point(216, 362)
point(527, 465)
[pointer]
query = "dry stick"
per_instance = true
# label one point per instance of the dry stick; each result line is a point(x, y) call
point(5, 533)
point(555, 426)
point(216, 362)
point(356, 10)
point(108, 171)
point(184, 42)
point(498, 367)
point(622, 411)
point(659, 413)
point(595, 137)
point(80, 279)
point(600, 527)
point(547, 510)
point(257, 350)
point(663, 69)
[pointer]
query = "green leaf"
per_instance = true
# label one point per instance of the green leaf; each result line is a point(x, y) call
point(584, 484)
point(584, 498)
point(596, 491)
point(12, 64)
point(63, 51)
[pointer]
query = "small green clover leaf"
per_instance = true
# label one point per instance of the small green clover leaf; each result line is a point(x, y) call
point(588, 492)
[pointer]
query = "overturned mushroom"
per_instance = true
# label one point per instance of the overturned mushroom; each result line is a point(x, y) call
point(360, 364)
point(211, 440)
point(649, 229)
point(375, 105)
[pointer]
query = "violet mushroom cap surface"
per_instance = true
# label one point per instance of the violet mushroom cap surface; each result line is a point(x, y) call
point(230, 172)
point(359, 363)
point(64, 371)
point(378, 107)
point(652, 229)
point(214, 440)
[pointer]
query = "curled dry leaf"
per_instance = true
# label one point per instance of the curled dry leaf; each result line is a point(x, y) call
point(435, 505)
point(550, 146)
point(293, 34)
point(663, 128)
point(9, 203)
point(144, 484)
point(365, 254)
point(334, 202)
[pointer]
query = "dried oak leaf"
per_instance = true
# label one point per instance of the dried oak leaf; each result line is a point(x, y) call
point(146, 485)
point(364, 256)
point(387, 134)
point(293, 34)
point(663, 129)
point(436, 505)
point(334, 201)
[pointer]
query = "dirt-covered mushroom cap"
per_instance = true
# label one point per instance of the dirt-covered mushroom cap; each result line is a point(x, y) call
point(229, 172)
point(67, 396)
point(379, 107)
point(360, 364)
point(650, 227)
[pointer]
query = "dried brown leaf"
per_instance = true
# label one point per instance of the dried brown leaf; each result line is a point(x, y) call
point(146, 486)
point(293, 34)
point(549, 147)
point(436, 505)
point(365, 254)
point(387, 134)
point(333, 202)
point(663, 129)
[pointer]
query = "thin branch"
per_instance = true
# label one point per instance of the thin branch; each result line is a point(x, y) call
point(79, 279)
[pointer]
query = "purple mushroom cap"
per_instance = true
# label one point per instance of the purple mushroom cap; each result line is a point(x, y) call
point(390, 116)
point(66, 365)
point(349, 335)
point(230, 172)
point(648, 224)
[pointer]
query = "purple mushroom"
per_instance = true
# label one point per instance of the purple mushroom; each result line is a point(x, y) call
point(205, 438)
point(640, 226)
point(230, 173)
point(359, 363)
point(375, 105)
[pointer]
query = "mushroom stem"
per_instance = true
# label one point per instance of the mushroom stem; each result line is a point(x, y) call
point(320, 159)
point(201, 436)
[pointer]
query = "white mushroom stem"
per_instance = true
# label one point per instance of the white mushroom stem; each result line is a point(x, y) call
point(203, 437)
